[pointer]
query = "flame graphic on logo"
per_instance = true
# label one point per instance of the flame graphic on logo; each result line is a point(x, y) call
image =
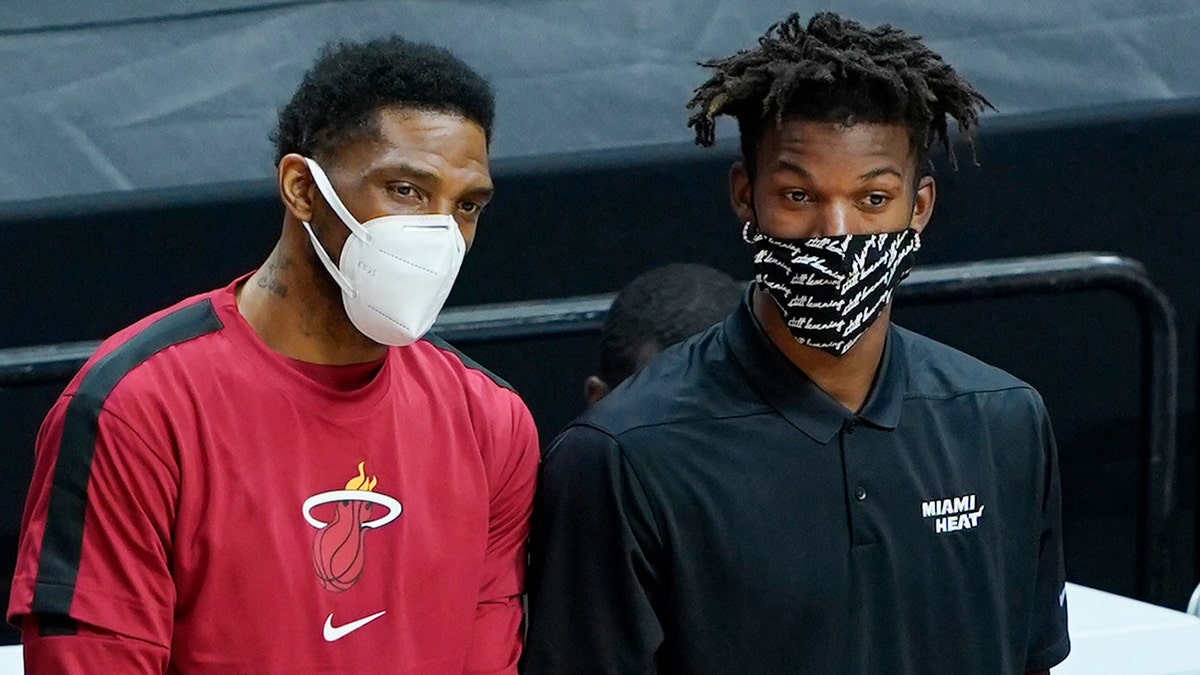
point(361, 481)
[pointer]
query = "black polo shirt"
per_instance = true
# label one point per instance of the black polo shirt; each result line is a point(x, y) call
point(719, 513)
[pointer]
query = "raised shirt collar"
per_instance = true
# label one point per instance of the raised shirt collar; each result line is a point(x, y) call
point(794, 396)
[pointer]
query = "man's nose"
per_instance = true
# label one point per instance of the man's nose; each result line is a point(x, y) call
point(835, 219)
point(443, 206)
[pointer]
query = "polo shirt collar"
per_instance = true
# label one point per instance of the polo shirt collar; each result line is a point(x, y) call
point(801, 402)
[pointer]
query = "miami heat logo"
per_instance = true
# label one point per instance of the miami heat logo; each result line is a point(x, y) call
point(338, 552)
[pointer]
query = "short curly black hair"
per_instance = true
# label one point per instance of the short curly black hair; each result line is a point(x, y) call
point(835, 70)
point(337, 100)
point(659, 308)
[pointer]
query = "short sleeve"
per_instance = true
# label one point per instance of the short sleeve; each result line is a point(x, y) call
point(496, 633)
point(595, 563)
point(87, 650)
point(96, 536)
point(1048, 642)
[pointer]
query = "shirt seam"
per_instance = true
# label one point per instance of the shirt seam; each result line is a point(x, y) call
point(515, 439)
point(127, 601)
point(659, 521)
point(961, 394)
point(766, 410)
point(467, 363)
point(104, 408)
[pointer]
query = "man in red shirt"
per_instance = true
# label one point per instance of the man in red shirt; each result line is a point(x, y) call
point(284, 475)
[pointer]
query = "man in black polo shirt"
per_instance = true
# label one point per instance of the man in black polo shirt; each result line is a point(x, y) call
point(806, 487)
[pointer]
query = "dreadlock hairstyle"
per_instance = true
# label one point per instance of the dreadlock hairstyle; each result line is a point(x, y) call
point(835, 70)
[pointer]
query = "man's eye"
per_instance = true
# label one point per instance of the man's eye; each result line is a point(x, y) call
point(469, 207)
point(403, 189)
point(798, 196)
point(877, 199)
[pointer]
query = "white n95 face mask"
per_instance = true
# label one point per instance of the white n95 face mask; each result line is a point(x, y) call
point(395, 272)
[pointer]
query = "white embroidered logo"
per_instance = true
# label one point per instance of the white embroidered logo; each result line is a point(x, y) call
point(333, 633)
point(953, 513)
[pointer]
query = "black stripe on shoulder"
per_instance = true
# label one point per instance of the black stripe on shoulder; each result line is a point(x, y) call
point(467, 361)
point(62, 542)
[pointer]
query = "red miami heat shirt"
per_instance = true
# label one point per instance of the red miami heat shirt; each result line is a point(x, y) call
point(202, 504)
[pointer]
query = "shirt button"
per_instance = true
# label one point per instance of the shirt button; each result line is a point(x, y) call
point(851, 425)
point(860, 493)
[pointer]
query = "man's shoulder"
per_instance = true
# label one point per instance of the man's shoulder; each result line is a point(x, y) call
point(492, 403)
point(163, 342)
point(437, 353)
point(939, 372)
point(453, 373)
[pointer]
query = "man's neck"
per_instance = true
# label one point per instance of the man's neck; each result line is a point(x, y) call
point(847, 379)
point(296, 308)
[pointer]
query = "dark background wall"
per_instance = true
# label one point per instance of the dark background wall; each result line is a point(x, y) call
point(134, 95)
point(1120, 180)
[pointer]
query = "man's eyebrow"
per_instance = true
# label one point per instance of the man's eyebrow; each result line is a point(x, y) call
point(409, 170)
point(482, 193)
point(794, 168)
point(875, 173)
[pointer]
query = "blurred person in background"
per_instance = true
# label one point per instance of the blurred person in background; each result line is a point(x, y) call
point(807, 488)
point(286, 475)
point(656, 310)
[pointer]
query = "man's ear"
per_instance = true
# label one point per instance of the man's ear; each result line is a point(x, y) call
point(741, 193)
point(923, 205)
point(594, 389)
point(296, 187)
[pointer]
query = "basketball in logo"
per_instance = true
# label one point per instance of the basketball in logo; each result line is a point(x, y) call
point(338, 547)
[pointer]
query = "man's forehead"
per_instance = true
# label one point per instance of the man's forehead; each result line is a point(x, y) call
point(395, 121)
point(799, 143)
point(862, 137)
point(422, 141)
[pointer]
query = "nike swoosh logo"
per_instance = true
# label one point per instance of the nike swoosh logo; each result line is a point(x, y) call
point(333, 633)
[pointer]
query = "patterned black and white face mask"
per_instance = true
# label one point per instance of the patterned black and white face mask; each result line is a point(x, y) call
point(831, 289)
